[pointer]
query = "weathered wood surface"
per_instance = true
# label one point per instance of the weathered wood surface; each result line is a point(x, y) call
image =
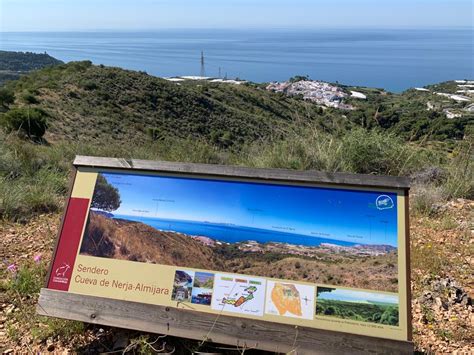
point(310, 176)
point(408, 265)
point(220, 329)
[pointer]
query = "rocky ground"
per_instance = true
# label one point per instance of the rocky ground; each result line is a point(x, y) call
point(442, 282)
point(442, 286)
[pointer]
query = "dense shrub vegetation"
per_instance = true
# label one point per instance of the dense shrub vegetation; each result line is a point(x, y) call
point(120, 104)
point(408, 115)
point(362, 312)
point(6, 98)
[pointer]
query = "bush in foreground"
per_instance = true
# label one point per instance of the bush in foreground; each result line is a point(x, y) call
point(29, 122)
point(7, 97)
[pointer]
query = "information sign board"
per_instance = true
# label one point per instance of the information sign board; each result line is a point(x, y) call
point(304, 250)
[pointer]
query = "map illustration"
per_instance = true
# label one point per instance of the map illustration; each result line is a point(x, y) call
point(239, 294)
point(290, 300)
point(242, 298)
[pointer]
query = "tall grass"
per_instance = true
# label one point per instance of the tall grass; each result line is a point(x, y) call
point(375, 152)
point(355, 151)
point(460, 171)
point(34, 177)
point(456, 181)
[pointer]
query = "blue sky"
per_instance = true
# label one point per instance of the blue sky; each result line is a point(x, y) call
point(358, 296)
point(65, 15)
point(328, 213)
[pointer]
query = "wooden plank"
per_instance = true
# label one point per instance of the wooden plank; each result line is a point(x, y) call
point(310, 176)
point(408, 266)
point(216, 328)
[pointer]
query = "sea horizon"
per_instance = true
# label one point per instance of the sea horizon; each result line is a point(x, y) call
point(247, 28)
point(231, 233)
point(393, 59)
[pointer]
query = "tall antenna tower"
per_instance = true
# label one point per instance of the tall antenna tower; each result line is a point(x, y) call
point(203, 69)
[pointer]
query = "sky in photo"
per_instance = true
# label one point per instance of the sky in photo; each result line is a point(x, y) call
point(301, 210)
point(73, 15)
point(357, 296)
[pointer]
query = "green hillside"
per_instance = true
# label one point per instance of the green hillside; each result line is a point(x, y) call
point(89, 103)
point(413, 114)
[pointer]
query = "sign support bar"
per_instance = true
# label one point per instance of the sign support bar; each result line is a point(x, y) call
point(249, 333)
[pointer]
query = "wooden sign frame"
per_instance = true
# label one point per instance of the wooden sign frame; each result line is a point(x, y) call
point(224, 328)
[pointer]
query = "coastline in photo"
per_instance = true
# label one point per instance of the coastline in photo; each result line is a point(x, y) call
point(234, 226)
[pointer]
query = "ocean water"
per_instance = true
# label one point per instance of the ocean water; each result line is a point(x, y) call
point(232, 233)
point(390, 59)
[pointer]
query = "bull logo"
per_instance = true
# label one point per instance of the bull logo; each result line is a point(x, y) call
point(62, 270)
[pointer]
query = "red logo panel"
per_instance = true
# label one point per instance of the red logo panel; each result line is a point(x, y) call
point(68, 244)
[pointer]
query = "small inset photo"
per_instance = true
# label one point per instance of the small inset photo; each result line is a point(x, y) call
point(182, 286)
point(362, 306)
point(203, 280)
point(201, 296)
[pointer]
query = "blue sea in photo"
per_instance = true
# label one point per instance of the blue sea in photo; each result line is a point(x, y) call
point(237, 211)
point(232, 233)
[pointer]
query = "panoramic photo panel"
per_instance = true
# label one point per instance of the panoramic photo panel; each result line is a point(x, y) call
point(312, 234)
point(357, 305)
